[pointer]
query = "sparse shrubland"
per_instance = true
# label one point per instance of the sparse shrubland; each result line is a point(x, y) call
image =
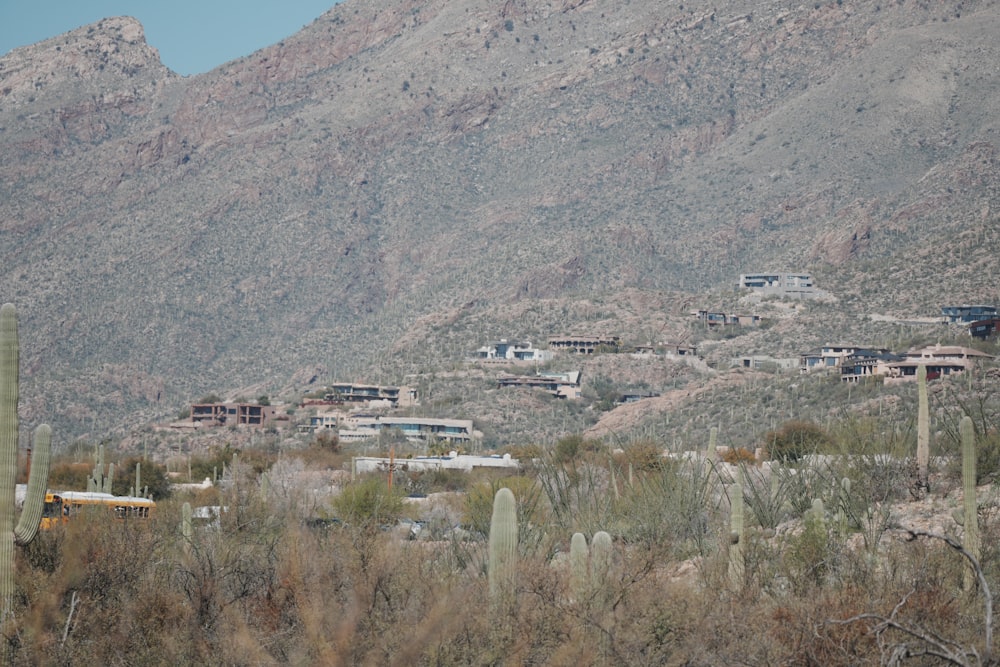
point(265, 589)
point(837, 559)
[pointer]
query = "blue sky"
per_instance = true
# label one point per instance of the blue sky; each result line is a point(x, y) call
point(192, 36)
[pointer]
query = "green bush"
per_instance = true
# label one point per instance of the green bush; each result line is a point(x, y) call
point(795, 439)
point(369, 502)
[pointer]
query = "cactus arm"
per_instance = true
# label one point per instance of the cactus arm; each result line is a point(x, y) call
point(110, 479)
point(38, 479)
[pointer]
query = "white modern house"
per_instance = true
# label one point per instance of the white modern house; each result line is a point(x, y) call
point(453, 461)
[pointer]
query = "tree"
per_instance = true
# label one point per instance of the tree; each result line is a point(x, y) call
point(795, 439)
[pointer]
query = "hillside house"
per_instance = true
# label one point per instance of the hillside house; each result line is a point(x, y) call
point(356, 428)
point(679, 350)
point(794, 285)
point(762, 362)
point(940, 360)
point(828, 356)
point(231, 414)
point(561, 385)
point(324, 421)
point(344, 393)
point(512, 351)
point(984, 329)
point(863, 364)
point(968, 314)
point(635, 397)
point(713, 318)
point(948, 353)
point(585, 344)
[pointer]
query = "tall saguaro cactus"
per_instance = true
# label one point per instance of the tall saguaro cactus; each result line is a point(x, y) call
point(578, 561)
point(713, 450)
point(27, 526)
point(600, 569)
point(970, 506)
point(737, 536)
point(923, 431)
point(502, 567)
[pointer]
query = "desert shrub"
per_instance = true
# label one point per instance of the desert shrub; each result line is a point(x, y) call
point(808, 553)
point(369, 502)
point(319, 458)
point(326, 440)
point(643, 455)
point(738, 456)
point(579, 493)
point(673, 506)
point(66, 476)
point(212, 464)
point(568, 447)
point(432, 481)
point(775, 495)
point(794, 439)
point(523, 453)
point(862, 486)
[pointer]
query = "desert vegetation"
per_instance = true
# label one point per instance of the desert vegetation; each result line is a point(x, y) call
point(604, 557)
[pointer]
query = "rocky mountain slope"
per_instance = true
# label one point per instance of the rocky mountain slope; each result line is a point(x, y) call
point(304, 210)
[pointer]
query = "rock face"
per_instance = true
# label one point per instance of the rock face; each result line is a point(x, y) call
point(104, 54)
point(395, 159)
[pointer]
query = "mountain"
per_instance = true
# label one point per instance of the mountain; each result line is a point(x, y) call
point(401, 170)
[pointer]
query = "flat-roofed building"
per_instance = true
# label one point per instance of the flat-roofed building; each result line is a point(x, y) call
point(220, 414)
point(454, 461)
point(352, 392)
point(584, 344)
point(966, 314)
point(940, 360)
point(798, 285)
point(511, 351)
point(560, 385)
point(416, 429)
point(864, 364)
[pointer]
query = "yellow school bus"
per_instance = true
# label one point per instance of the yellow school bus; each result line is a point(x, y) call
point(62, 506)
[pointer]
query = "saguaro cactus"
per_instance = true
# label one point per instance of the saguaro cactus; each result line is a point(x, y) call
point(713, 450)
point(187, 530)
point(137, 489)
point(600, 568)
point(98, 481)
point(27, 526)
point(578, 557)
point(600, 576)
point(502, 567)
point(737, 536)
point(923, 431)
point(970, 506)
